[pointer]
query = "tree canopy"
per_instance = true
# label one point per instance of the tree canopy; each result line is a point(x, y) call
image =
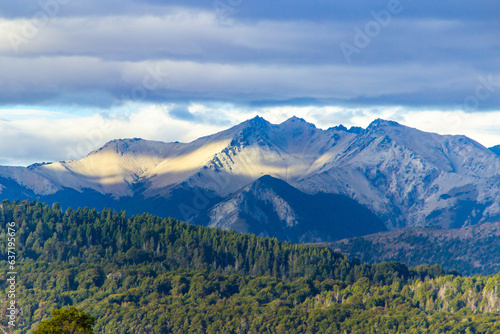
point(67, 321)
point(144, 274)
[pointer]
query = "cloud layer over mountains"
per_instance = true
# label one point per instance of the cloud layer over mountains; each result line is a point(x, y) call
point(89, 53)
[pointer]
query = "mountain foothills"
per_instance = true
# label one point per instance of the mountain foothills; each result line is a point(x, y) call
point(145, 274)
point(272, 207)
point(404, 176)
point(471, 250)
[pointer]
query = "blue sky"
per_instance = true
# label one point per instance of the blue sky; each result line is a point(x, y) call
point(75, 74)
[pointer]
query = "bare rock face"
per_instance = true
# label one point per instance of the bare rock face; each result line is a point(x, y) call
point(271, 207)
point(404, 176)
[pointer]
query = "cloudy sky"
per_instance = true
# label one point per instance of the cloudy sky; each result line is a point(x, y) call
point(77, 73)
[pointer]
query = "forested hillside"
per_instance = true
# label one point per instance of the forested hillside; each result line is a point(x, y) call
point(145, 274)
point(471, 250)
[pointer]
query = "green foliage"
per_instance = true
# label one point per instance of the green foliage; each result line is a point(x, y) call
point(144, 274)
point(66, 321)
point(472, 250)
point(87, 236)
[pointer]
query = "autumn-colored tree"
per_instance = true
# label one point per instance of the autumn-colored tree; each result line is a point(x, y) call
point(67, 321)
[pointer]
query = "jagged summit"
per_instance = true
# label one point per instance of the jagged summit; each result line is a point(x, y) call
point(38, 164)
point(257, 122)
point(379, 122)
point(339, 127)
point(404, 175)
point(356, 129)
point(260, 124)
point(295, 121)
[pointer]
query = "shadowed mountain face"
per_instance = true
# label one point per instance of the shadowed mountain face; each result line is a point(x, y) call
point(271, 207)
point(495, 149)
point(404, 176)
point(471, 250)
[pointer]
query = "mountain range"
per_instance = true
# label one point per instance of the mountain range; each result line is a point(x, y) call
point(290, 180)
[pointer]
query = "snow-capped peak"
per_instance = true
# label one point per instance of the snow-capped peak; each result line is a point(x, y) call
point(295, 122)
point(382, 123)
point(256, 122)
point(405, 175)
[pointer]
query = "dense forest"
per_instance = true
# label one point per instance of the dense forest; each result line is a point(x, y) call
point(471, 250)
point(144, 274)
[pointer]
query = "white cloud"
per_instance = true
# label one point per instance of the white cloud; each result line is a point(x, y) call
point(103, 54)
point(32, 136)
point(29, 136)
point(480, 126)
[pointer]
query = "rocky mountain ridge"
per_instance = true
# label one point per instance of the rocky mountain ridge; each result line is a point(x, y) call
point(406, 177)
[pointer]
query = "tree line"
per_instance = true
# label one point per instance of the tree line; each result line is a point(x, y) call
point(144, 274)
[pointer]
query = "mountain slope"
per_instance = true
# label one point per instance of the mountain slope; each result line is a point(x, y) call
point(412, 178)
point(271, 207)
point(495, 149)
point(471, 250)
point(406, 177)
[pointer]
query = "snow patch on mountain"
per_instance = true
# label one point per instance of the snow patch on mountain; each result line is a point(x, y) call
point(404, 175)
point(29, 179)
point(110, 170)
